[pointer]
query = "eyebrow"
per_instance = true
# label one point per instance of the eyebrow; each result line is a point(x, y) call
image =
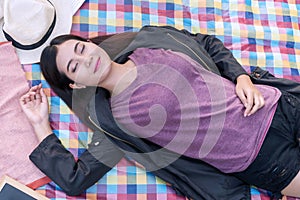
point(75, 50)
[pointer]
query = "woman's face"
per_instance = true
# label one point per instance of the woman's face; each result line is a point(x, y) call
point(83, 62)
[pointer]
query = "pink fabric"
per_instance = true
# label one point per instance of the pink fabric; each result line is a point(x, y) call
point(16, 133)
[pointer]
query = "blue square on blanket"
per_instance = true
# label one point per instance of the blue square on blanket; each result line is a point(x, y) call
point(131, 189)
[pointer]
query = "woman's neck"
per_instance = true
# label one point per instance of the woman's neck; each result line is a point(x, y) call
point(120, 77)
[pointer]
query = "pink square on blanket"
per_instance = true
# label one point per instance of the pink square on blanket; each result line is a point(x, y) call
point(17, 136)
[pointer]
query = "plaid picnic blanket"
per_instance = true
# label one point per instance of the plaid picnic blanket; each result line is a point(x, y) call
point(261, 33)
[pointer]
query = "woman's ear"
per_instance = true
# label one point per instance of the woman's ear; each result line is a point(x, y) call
point(76, 86)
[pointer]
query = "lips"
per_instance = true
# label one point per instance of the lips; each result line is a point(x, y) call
point(97, 66)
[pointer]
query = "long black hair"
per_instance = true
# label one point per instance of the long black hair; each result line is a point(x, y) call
point(48, 63)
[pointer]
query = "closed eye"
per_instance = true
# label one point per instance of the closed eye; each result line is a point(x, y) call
point(74, 68)
point(79, 47)
point(82, 48)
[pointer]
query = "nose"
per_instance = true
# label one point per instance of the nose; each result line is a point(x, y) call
point(87, 60)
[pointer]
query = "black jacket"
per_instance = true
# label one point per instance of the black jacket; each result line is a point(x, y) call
point(190, 177)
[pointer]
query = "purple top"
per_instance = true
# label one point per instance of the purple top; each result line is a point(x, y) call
point(177, 104)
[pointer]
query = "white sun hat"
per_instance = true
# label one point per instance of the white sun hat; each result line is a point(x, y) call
point(31, 24)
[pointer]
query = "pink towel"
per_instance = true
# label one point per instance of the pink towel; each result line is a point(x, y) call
point(16, 133)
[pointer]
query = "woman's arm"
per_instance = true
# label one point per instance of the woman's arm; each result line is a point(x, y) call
point(75, 176)
point(232, 70)
point(222, 57)
point(51, 157)
point(35, 106)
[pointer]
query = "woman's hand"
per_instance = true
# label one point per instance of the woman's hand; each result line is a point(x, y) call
point(249, 95)
point(35, 106)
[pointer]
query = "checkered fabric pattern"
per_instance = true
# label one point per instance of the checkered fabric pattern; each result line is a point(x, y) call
point(261, 33)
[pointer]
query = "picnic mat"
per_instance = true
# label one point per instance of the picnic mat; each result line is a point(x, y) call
point(261, 33)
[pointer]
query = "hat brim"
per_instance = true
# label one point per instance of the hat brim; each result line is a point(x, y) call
point(64, 15)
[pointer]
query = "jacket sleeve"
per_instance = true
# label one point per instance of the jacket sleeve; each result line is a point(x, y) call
point(223, 58)
point(74, 177)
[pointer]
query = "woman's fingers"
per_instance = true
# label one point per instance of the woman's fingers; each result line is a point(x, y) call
point(27, 97)
point(33, 96)
point(249, 95)
point(249, 104)
point(43, 96)
point(34, 88)
point(242, 97)
point(258, 102)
